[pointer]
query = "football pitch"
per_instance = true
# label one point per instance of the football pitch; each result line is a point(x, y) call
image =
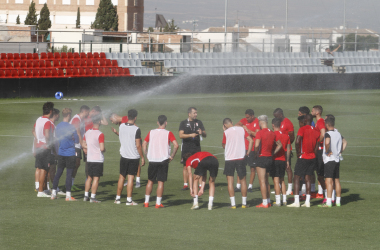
point(29, 222)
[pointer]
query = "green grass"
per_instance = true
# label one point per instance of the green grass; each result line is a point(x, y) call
point(29, 222)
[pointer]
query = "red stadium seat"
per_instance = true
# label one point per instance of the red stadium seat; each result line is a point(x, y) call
point(35, 56)
point(36, 64)
point(114, 72)
point(56, 64)
point(103, 55)
point(35, 73)
point(16, 64)
point(42, 73)
point(49, 73)
point(43, 56)
point(23, 64)
point(21, 73)
point(75, 72)
point(48, 64)
point(63, 55)
point(2, 64)
point(50, 56)
point(101, 72)
point(126, 72)
point(114, 63)
point(108, 63)
point(88, 72)
point(54, 73)
point(81, 72)
point(60, 73)
point(90, 55)
point(29, 64)
point(83, 63)
point(10, 57)
point(16, 56)
point(70, 55)
point(83, 55)
point(89, 63)
point(102, 63)
point(65, 63)
point(28, 73)
point(8, 73)
point(3, 56)
point(95, 55)
point(2, 74)
point(76, 64)
point(29, 56)
point(23, 56)
point(69, 72)
point(76, 55)
point(57, 56)
point(94, 71)
point(95, 63)
point(14, 73)
point(8, 64)
point(42, 64)
point(107, 72)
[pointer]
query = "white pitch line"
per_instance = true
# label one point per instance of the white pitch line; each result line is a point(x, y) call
point(376, 156)
point(363, 146)
point(358, 182)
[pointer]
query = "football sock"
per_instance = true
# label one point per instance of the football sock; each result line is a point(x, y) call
point(129, 199)
point(86, 194)
point(137, 179)
point(296, 199)
point(250, 186)
point(238, 186)
point(278, 199)
point(290, 187)
point(338, 200)
point(93, 196)
point(54, 192)
point(313, 188)
point(328, 202)
point(244, 200)
point(147, 198)
point(48, 186)
point(307, 198)
point(325, 192)
point(68, 194)
point(280, 185)
point(185, 184)
point(265, 202)
point(195, 199)
point(210, 200)
point(333, 195)
point(233, 201)
point(283, 198)
point(117, 197)
point(320, 190)
point(37, 185)
point(268, 201)
point(303, 188)
point(158, 200)
point(72, 181)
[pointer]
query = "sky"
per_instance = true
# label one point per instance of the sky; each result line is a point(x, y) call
point(301, 13)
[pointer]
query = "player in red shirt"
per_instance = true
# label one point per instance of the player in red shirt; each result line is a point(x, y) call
point(306, 147)
point(78, 122)
point(251, 126)
point(321, 128)
point(281, 162)
point(288, 128)
point(201, 162)
point(265, 147)
point(117, 120)
point(42, 146)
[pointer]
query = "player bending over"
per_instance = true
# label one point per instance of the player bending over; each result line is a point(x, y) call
point(201, 162)
point(93, 146)
point(158, 154)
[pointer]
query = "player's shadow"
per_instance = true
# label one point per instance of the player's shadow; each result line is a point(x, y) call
point(217, 205)
point(254, 202)
point(351, 198)
point(108, 183)
point(220, 184)
point(178, 202)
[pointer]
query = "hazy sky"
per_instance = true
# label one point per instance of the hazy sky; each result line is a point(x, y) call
point(301, 13)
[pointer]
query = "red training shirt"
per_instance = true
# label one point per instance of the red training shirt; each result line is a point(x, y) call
point(268, 139)
point(124, 119)
point(196, 158)
point(320, 125)
point(310, 138)
point(253, 126)
point(285, 141)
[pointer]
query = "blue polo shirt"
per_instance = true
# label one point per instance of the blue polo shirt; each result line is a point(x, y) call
point(67, 137)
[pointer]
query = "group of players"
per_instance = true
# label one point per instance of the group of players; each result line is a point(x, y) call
point(248, 142)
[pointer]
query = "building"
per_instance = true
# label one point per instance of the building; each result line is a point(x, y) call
point(63, 13)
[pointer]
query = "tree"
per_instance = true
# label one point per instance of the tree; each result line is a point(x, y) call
point(171, 27)
point(150, 29)
point(77, 25)
point(106, 16)
point(362, 42)
point(31, 17)
point(18, 19)
point(44, 22)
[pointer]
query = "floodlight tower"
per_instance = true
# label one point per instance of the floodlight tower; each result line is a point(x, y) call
point(225, 24)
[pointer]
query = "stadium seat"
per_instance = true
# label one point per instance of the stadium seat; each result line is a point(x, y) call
point(49, 73)
point(83, 63)
point(64, 55)
point(60, 73)
point(89, 63)
point(43, 56)
point(56, 63)
point(16, 64)
point(16, 56)
point(114, 72)
point(54, 73)
point(120, 62)
point(95, 63)
point(36, 64)
point(107, 72)
point(108, 55)
point(94, 71)
point(75, 72)
point(95, 55)
point(2, 65)
point(10, 57)
point(22, 56)
point(2, 74)
point(48, 64)
point(42, 73)
point(8, 73)
point(114, 63)
point(35, 73)
point(76, 55)
point(29, 56)
point(8, 64)
point(90, 55)
point(148, 56)
point(21, 73)
point(81, 72)
point(35, 56)
point(126, 72)
point(14, 73)
point(42, 64)
point(108, 63)
point(76, 64)
point(102, 63)
point(50, 56)
point(101, 72)
point(70, 56)
point(82, 55)
point(69, 72)
point(3, 56)
point(102, 55)
point(89, 72)
point(57, 56)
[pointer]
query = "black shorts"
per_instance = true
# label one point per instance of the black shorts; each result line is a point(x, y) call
point(278, 169)
point(42, 159)
point(320, 166)
point(84, 157)
point(250, 160)
point(78, 153)
point(265, 162)
point(66, 161)
point(304, 167)
point(332, 169)
point(209, 163)
point(52, 160)
point(129, 166)
point(158, 171)
point(95, 169)
point(239, 165)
